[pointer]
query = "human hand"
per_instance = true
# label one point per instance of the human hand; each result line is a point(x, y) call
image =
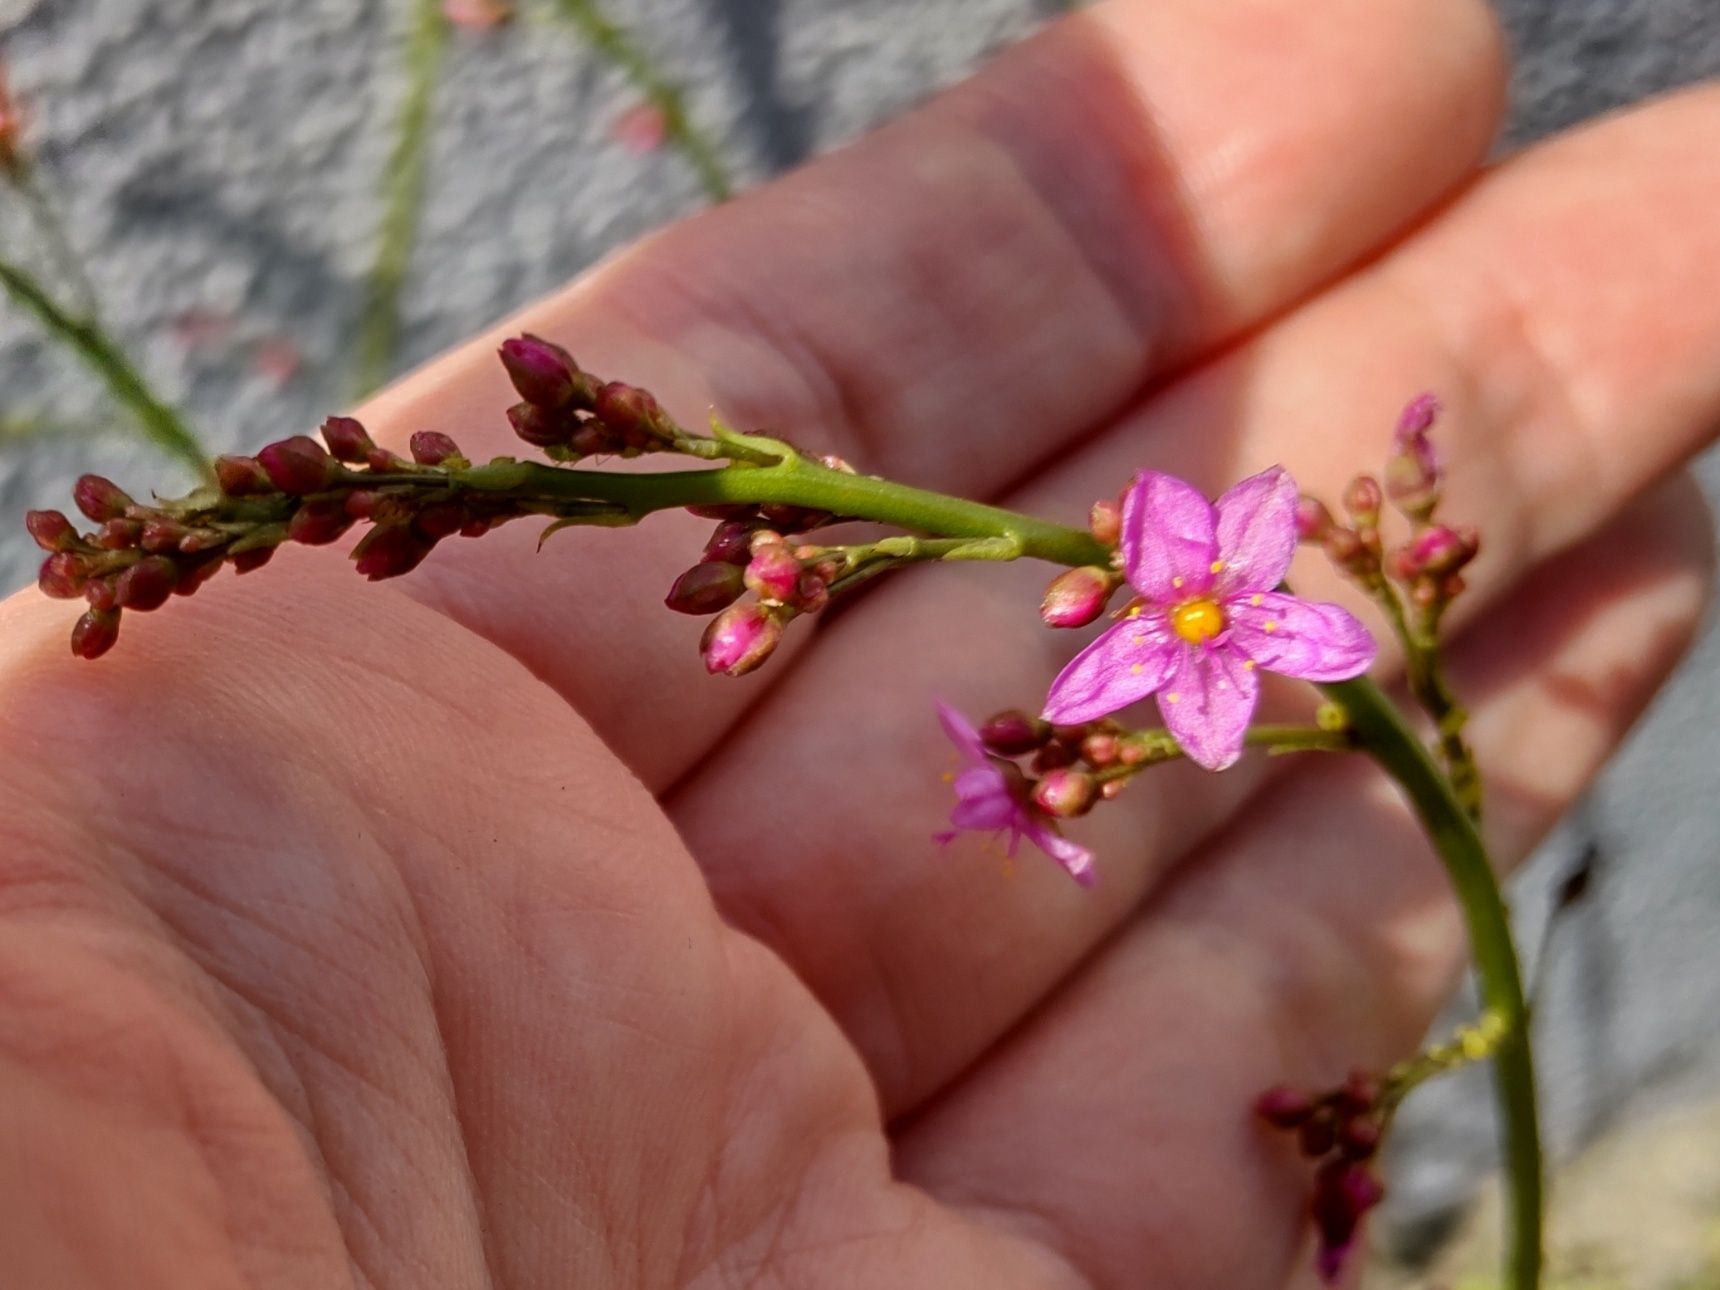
point(337, 946)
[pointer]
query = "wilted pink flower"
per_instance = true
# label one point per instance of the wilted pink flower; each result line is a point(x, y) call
point(990, 800)
point(477, 15)
point(1208, 616)
point(641, 129)
point(1415, 474)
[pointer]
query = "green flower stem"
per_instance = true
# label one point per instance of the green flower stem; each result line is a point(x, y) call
point(1425, 676)
point(1160, 745)
point(1383, 733)
point(403, 198)
point(99, 350)
point(50, 226)
point(615, 46)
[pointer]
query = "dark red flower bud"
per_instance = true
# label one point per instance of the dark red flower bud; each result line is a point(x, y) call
point(147, 584)
point(541, 427)
point(1360, 1093)
point(725, 511)
point(63, 576)
point(51, 530)
point(299, 465)
point(731, 543)
point(1442, 550)
point(740, 639)
point(1014, 733)
point(1313, 520)
point(811, 592)
point(1318, 1135)
point(441, 520)
point(1066, 792)
point(1101, 749)
point(162, 535)
point(241, 476)
point(347, 439)
point(319, 522)
point(119, 535)
point(254, 559)
point(1359, 1138)
point(99, 593)
point(432, 448)
point(1105, 522)
point(794, 519)
point(1284, 1107)
point(1054, 756)
point(390, 551)
point(94, 634)
point(99, 498)
point(706, 588)
point(1077, 597)
point(631, 413)
point(379, 461)
point(542, 371)
point(193, 576)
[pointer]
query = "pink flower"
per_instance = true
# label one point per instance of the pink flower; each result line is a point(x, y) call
point(992, 797)
point(1208, 616)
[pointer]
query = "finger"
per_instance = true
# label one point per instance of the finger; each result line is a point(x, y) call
point(959, 295)
point(1316, 935)
point(855, 903)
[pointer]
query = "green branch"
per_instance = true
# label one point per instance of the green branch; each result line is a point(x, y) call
point(403, 198)
point(615, 46)
point(97, 349)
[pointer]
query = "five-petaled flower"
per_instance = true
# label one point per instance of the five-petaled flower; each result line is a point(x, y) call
point(992, 797)
point(1208, 616)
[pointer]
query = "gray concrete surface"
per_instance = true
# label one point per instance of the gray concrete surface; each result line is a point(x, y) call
point(218, 158)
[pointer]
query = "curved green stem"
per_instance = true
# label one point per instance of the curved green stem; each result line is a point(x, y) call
point(87, 339)
point(614, 45)
point(403, 195)
point(1384, 734)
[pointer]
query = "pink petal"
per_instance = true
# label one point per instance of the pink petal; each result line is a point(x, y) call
point(961, 732)
point(1301, 638)
point(1208, 702)
point(1074, 858)
point(1123, 666)
point(984, 814)
point(1257, 532)
point(1168, 541)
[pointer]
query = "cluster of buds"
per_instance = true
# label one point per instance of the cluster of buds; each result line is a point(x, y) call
point(1066, 770)
point(1079, 596)
point(295, 490)
point(1429, 566)
point(1341, 1130)
point(752, 552)
point(569, 414)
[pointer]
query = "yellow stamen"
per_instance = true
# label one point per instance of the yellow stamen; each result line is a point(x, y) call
point(1271, 626)
point(1177, 581)
point(1173, 697)
point(1217, 566)
point(1247, 665)
point(1256, 601)
point(1136, 669)
point(1134, 611)
point(1197, 621)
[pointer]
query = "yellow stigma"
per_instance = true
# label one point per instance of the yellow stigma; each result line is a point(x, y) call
point(1197, 621)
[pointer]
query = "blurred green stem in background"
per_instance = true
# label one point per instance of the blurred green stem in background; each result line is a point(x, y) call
point(403, 198)
point(615, 46)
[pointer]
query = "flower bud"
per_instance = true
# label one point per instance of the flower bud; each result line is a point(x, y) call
point(542, 371)
point(772, 573)
point(1066, 792)
point(347, 439)
point(63, 575)
point(706, 588)
point(147, 584)
point(119, 535)
point(242, 476)
point(794, 519)
point(390, 551)
point(99, 593)
point(319, 522)
point(811, 592)
point(440, 520)
point(731, 543)
point(161, 535)
point(254, 559)
point(1313, 520)
point(1077, 597)
point(540, 427)
point(1284, 1107)
point(1105, 523)
point(51, 530)
point(432, 448)
point(631, 413)
point(1362, 499)
point(1414, 475)
point(99, 498)
point(1359, 1138)
point(1101, 749)
point(725, 511)
point(1013, 733)
point(1442, 550)
point(299, 465)
point(94, 634)
point(740, 639)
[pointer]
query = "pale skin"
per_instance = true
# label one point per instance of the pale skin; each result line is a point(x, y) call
point(459, 932)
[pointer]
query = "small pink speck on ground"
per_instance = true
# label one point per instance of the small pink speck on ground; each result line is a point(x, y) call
point(641, 129)
point(477, 15)
point(198, 327)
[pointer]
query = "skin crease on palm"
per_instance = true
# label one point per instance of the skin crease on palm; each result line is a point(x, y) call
point(460, 933)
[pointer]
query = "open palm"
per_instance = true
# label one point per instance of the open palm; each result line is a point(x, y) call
point(461, 933)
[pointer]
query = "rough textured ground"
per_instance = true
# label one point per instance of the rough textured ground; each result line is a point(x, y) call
point(218, 159)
